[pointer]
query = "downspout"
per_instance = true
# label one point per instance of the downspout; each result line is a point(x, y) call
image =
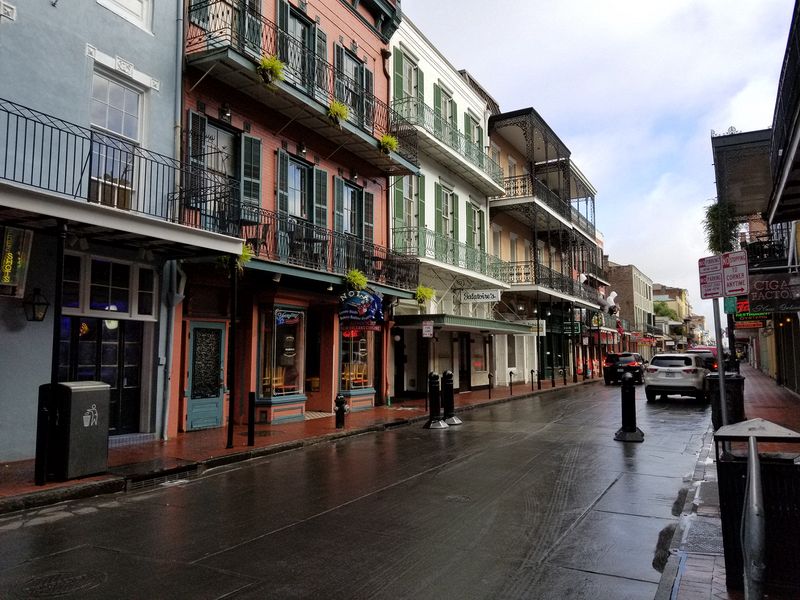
point(174, 294)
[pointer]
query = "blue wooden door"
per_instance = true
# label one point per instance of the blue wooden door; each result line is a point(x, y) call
point(206, 380)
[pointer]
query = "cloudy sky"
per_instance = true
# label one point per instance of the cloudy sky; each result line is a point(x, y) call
point(633, 88)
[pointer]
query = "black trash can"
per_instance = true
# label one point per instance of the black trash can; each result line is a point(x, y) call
point(77, 432)
point(780, 485)
point(734, 398)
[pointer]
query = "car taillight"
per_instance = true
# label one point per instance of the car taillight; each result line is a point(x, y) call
point(692, 371)
point(633, 364)
point(652, 370)
point(715, 366)
point(608, 364)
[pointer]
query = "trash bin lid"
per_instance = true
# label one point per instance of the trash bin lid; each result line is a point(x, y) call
point(85, 385)
point(761, 429)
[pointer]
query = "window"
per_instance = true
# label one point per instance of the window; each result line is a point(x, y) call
point(298, 187)
point(512, 167)
point(96, 286)
point(302, 189)
point(115, 109)
point(354, 85)
point(512, 247)
point(283, 351)
point(445, 116)
point(511, 349)
point(356, 355)
point(350, 210)
point(135, 11)
point(447, 210)
point(496, 241)
point(353, 209)
point(409, 184)
point(408, 85)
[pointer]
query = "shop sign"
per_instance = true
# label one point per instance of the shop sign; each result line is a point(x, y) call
point(427, 329)
point(287, 317)
point(474, 296)
point(15, 254)
point(779, 292)
point(750, 324)
point(751, 316)
point(571, 327)
point(361, 306)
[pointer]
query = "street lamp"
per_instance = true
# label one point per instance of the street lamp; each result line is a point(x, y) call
point(35, 306)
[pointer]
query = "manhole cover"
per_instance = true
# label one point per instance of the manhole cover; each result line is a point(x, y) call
point(704, 536)
point(53, 585)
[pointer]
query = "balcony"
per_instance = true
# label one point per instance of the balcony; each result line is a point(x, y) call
point(424, 243)
point(460, 154)
point(586, 226)
point(282, 238)
point(525, 273)
point(228, 42)
point(767, 252)
point(63, 170)
point(524, 188)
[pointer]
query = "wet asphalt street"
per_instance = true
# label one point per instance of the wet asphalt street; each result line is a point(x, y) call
point(528, 499)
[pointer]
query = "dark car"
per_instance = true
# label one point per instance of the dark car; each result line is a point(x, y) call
point(709, 358)
point(616, 365)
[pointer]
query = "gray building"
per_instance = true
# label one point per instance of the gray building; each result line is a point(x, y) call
point(88, 106)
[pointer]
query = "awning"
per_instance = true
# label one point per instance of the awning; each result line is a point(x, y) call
point(456, 323)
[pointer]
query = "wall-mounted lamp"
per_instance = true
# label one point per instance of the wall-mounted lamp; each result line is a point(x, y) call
point(354, 176)
point(225, 111)
point(276, 277)
point(35, 306)
point(329, 288)
point(301, 148)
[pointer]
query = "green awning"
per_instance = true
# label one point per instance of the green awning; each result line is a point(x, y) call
point(456, 323)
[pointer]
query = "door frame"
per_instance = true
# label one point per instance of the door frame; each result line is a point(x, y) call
point(205, 404)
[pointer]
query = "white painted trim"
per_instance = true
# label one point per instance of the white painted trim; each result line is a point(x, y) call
point(145, 23)
point(123, 67)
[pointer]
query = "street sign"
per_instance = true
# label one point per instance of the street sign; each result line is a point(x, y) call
point(427, 329)
point(723, 275)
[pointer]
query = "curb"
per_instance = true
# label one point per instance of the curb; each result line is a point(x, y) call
point(137, 481)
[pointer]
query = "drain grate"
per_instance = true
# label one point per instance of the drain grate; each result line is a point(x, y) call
point(151, 482)
point(704, 536)
point(62, 583)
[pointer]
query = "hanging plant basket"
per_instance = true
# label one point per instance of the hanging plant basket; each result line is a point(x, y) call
point(388, 143)
point(270, 69)
point(424, 294)
point(338, 112)
point(245, 257)
point(356, 280)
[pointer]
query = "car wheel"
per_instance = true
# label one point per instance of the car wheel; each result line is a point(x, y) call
point(651, 396)
point(608, 382)
point(700, 396)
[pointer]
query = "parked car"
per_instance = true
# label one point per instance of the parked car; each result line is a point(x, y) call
point(616, 365)
point(673, 374)
point(709, 358)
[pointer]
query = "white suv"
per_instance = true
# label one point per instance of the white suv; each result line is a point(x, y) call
point(676, 374)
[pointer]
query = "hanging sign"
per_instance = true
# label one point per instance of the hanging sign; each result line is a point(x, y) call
point(480, 296)
point(361, 306)
point(15, 252)
point(427, 329)
point(778, 292)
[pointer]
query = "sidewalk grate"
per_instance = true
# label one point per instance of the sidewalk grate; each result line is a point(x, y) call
point(149, 482)
point(704, 536)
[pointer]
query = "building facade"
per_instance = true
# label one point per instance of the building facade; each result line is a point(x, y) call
point(635, 300)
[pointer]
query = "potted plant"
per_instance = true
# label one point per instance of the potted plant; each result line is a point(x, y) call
point(356, 279)
point(388, 143)
point(338, 112)
point(270, 68)
point(245, 257)
point(424, 294)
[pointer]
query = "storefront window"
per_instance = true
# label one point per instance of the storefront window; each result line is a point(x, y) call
point(356, 359)
point(478, 351)
point(283, 351)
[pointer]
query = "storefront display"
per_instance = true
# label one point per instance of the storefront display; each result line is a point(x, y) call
point(282, 353)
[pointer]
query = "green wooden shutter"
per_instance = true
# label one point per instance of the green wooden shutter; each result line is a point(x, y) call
point(369, 98)
point(481, 154)
point(321, 66)
point(420, 88)
point(398, 74)
point(283, 27)
point(453, 141)
point(399, 208)
point(338, 61)
point(468, 126)
point(369, 217)
point(481, 230)
point(421, 230)
point(455, 217)
point(251, 178)
point(282, 181)
point(470, 241)
point(320, 198)
point(197, 158)
point(438, 125)
point(437, 194)
point(338, 204)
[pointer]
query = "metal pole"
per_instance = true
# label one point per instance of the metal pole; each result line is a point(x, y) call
point(234, 276)
point(723, 409)
point(753, 527)
point(251, 419)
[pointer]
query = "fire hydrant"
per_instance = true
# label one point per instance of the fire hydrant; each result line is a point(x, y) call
point(340, 411)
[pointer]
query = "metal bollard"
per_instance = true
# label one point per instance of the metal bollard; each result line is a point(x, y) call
point(491, 384)
point(538, 380)
point(340, 410)
point(532, 373)
point(435, 420)
point(564, 373)
point(448, 399)
point(628, 432)
point(510, 382)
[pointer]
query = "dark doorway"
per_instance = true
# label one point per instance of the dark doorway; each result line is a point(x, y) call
point(110, 351)
point(399, 362)
point(464, 366)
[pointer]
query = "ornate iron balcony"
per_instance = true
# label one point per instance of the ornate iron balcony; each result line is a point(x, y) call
point(219, 24)
point(533, 273)
point(525, 186)
point(284, 238)
point(421, 242)
point(50, 154)
point(420, 114)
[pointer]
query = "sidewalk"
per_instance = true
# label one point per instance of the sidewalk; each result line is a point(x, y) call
point(188, 455)
point(696, 568)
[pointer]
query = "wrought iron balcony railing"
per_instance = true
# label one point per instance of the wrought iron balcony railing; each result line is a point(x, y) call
point(284, 238)
point(420, 114)
point(50, 154)
point(533, 273)
point(421, 242)
point(581, 221)
point(786, 103)
point(525, 186)
point(217, 24)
